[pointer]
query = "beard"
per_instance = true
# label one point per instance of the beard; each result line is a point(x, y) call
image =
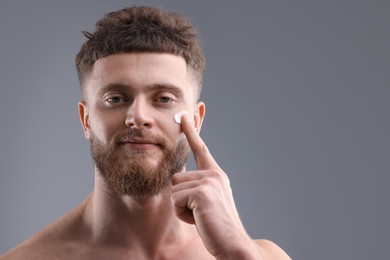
point(136, 176)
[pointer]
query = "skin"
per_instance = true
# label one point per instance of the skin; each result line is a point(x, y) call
point(193, 218)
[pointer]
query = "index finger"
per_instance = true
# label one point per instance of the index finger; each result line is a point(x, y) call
point(204, 160)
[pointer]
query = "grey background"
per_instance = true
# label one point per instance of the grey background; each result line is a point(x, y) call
point(297, 114)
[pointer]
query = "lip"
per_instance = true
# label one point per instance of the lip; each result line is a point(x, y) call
point(138, 144)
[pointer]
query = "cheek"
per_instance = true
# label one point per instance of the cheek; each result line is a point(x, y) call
point(168, 125)
point(104, 127)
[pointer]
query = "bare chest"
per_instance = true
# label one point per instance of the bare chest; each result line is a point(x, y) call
point(190, 252)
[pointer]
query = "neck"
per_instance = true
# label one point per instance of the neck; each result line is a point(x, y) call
point(148, 223)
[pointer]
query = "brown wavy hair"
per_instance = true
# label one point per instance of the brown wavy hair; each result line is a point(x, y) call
point(141, 29)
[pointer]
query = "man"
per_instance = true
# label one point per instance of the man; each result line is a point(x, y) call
point(137, 71)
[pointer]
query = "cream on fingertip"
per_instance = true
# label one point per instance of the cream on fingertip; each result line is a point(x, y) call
point(177, 116)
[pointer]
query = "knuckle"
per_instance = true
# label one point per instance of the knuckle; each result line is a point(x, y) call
point(174, 198)
point(215, 178)
point(175, 180)
point(207, 182)
point(225, 178)
point(219, 175)
point(202, 190)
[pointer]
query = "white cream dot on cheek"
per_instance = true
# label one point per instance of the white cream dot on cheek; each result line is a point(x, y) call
point(177, 116)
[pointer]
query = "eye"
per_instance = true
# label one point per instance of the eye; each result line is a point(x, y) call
point(165, 100)
point(115, 100)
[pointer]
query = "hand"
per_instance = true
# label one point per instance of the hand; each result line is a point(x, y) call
point(204, 198)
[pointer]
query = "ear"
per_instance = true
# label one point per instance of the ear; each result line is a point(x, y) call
point(84, 118)
point(200, 111)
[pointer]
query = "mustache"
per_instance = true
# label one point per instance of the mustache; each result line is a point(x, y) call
point(129, 134)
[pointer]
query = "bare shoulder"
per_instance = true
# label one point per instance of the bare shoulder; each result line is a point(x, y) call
point(42, 248)
point(49, 242)
point(34, 247)
point(269, 250)
point(24, 251)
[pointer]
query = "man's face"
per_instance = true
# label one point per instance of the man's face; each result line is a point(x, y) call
point(127, 115)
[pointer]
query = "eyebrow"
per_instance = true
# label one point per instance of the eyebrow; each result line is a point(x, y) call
point(112, 87)
point(178, 92)
point(157, 87)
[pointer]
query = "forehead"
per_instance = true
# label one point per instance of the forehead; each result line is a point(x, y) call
point(139, 70)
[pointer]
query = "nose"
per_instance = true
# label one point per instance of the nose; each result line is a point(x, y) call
point(139, 115)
